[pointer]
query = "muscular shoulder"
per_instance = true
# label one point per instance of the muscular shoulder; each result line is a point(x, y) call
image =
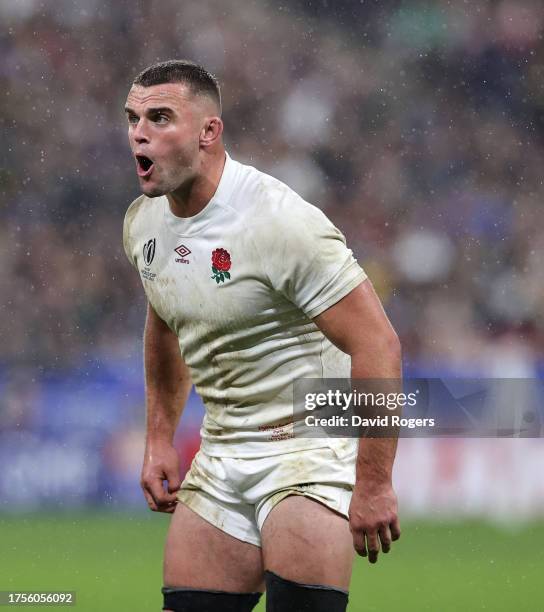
point(136, 220)
point(302, 253)
point(136, 208)
point(270, 206)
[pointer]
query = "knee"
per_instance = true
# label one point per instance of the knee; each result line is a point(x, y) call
point(286, 596)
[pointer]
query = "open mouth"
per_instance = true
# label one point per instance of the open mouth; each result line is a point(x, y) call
point(144, 165)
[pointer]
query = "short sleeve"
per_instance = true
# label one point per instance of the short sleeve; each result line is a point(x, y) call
point(307, 259)
point(127, 237)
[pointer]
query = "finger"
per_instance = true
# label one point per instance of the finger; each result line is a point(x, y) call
point(395, 529)
point(385, 538)
point(173, 480)
point(359, 542)
point(152, 505)
point(166, 508)
point(372, 545)
point(161, 497)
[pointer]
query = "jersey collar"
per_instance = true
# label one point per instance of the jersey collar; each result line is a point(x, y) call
point(185, 226)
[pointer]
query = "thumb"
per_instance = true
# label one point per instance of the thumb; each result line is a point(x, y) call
point(173, 479)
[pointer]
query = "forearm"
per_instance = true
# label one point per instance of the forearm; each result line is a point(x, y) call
point(381, 366)
point(167, 380)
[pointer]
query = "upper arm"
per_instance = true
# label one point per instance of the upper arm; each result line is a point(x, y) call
point(155, 325)
point(161, 344)
point(357, 324)
point(160, 341)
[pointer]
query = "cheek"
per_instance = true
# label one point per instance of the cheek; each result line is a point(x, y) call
point(183, 152)
point(177, 151)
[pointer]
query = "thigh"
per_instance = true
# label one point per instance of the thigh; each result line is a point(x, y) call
point(201, 556)
point(306, 542)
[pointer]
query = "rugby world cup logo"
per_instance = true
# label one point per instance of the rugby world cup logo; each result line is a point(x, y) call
point(149, 251)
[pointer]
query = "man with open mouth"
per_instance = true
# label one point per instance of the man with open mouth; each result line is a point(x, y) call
point(268, 293)
point(144, 165)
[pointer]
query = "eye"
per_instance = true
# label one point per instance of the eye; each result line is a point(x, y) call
point(132, 119)
point(161, 118)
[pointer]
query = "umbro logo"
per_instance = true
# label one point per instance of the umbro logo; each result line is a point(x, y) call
point(182, 251)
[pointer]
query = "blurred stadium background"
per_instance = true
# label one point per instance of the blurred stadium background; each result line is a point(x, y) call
point(418, 127)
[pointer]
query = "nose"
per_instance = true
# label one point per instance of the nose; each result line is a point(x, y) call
point(139, 132)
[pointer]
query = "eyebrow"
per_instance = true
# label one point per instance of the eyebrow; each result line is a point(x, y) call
point(151, 111)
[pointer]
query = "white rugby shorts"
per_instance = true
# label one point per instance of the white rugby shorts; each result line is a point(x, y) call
point(236, 495)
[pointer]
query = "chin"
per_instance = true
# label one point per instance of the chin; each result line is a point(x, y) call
point(152, 192)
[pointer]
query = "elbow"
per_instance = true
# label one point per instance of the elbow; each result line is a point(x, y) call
point(387, 350)
point(393, 347)
point(379, 356)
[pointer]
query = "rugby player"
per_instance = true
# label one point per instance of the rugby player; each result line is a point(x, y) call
point(249, 287)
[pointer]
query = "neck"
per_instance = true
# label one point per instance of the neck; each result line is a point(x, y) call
point(192, 197)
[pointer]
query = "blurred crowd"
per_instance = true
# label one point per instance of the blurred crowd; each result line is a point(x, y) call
point(418, 127)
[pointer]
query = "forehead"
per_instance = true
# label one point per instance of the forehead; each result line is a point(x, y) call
point(173, 95)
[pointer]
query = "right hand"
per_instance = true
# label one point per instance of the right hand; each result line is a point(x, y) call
point(161, 463)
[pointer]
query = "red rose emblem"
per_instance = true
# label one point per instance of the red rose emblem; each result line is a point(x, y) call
point(220, 265)
point(221, 260)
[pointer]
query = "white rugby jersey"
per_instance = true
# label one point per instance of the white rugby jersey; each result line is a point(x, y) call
point(239, 284)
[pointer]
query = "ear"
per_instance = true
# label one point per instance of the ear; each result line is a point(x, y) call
point(211, 132)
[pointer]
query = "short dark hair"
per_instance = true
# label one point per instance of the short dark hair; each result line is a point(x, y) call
point(197, 78)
